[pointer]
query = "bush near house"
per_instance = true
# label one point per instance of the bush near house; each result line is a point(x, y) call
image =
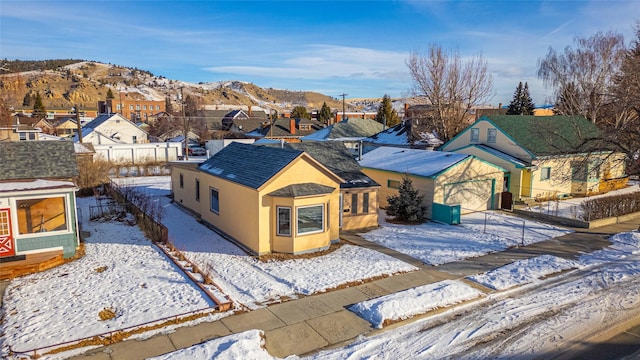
point(610, 206)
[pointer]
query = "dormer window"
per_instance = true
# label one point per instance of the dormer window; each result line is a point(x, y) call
point(491, 136)
point(475, 135)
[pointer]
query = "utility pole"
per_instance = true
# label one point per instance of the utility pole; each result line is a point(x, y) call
point(184, 129)
point(343, 95)
point(79, 126)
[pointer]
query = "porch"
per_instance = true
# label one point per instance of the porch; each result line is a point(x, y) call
point(14, 266)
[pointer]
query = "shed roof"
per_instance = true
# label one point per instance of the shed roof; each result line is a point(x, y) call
point(248, 165)
point(37, 160)
point(425, 163)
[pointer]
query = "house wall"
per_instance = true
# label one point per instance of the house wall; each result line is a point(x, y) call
point(302, 170)
point(362, 219)
point(126, 130)
point(382, 177)
point(559, 183)
point(515, 174)
point(477, 178)
point(503, 143)
point(65, 239)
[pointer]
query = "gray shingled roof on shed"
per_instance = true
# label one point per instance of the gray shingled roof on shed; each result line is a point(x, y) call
point(37, 160)
point(306, 189)
point(248, 165)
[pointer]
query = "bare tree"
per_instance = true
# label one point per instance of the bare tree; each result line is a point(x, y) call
point(582, 77)
point(450, 85)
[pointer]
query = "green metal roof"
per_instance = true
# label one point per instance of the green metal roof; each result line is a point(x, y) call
point(549, 135)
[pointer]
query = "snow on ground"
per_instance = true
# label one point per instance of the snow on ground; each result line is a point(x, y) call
point(121, 271)
point(245, 345)
point(523, 323)
point(251, 282)
point(523, 272)
point(436, 243)
point(571, 208)
point(419, 300)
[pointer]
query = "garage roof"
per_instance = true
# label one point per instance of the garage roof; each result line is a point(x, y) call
point(426, 163)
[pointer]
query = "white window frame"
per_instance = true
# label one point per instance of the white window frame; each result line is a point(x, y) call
point(492, 136)
point(278, 208)
point(68, 217)
point(211, 190)
point(475, 135)
point(320, 230)
point(546, 176)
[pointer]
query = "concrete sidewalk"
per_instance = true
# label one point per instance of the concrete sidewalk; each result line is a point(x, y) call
point(315, 322)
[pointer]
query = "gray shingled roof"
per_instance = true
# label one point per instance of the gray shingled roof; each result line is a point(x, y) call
point(306, 189)
point(248, 165)
point(335, 157)
point(37, 160)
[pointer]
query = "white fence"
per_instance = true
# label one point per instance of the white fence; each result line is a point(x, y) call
point(137, 153)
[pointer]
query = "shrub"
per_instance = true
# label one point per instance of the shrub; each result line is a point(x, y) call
point(407, 206)
point(610, 206)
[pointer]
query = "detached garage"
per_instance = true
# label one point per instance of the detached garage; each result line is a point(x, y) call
point(441, 177)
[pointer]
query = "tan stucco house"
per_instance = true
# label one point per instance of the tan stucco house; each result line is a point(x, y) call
point(265, 199)
point(441, 177)
point(545, 157)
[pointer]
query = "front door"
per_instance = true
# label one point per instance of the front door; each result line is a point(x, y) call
point(7, 246)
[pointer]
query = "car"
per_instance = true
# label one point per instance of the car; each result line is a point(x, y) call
point(195, 150)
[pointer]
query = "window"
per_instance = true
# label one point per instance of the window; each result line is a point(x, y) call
point(365, 203)
point(284, 221)
point(545, 173)
point(118, 107)
point(137, 107)
point(354, 204)
point(181, 181)
point(157, 107)
point(130, 107)
point(41, 215)
point(144, 107)
point(23, 136)
point(135, 139)
point(215, 201)
point(310, 219)
point(475, 135)
point(393, 184)
point(491, 136)
point(197, 189)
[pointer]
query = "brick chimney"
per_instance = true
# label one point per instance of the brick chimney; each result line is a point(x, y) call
point(292, 126)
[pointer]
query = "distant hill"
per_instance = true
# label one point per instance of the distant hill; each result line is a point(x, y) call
point(62, 83)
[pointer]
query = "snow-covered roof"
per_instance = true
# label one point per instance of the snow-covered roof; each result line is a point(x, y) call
point(499, 154)
point(426, 163)
point(39, 184)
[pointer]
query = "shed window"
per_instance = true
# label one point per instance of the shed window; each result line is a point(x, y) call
point(475, 135)
point(310, 219)
point(284, 221)
point(393, 184)
point(41, 215)
point(215, 201)
point(545, 173)
point(491, 136)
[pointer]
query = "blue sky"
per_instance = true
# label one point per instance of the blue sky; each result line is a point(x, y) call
point(333, 47)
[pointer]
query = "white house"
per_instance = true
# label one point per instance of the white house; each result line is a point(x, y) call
point(112, 129)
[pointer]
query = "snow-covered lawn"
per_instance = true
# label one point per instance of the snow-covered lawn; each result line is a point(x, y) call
point(121, 271)
point(571, 208)
point(436, 243)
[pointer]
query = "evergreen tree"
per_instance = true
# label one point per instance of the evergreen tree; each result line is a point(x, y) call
point(386, 114)
point(28, 100)
point(407, 206)
point(300, 112)
point(325, 113)
point(521, 104)
point(110, 94)
point(38, 107)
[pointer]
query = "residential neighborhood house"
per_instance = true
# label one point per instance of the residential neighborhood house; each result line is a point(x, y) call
point(545, 157)
point(441, 177)
point(112, 129)
point(286, 129)
point(350, 132)
point(265, 199)
point(37, 203)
